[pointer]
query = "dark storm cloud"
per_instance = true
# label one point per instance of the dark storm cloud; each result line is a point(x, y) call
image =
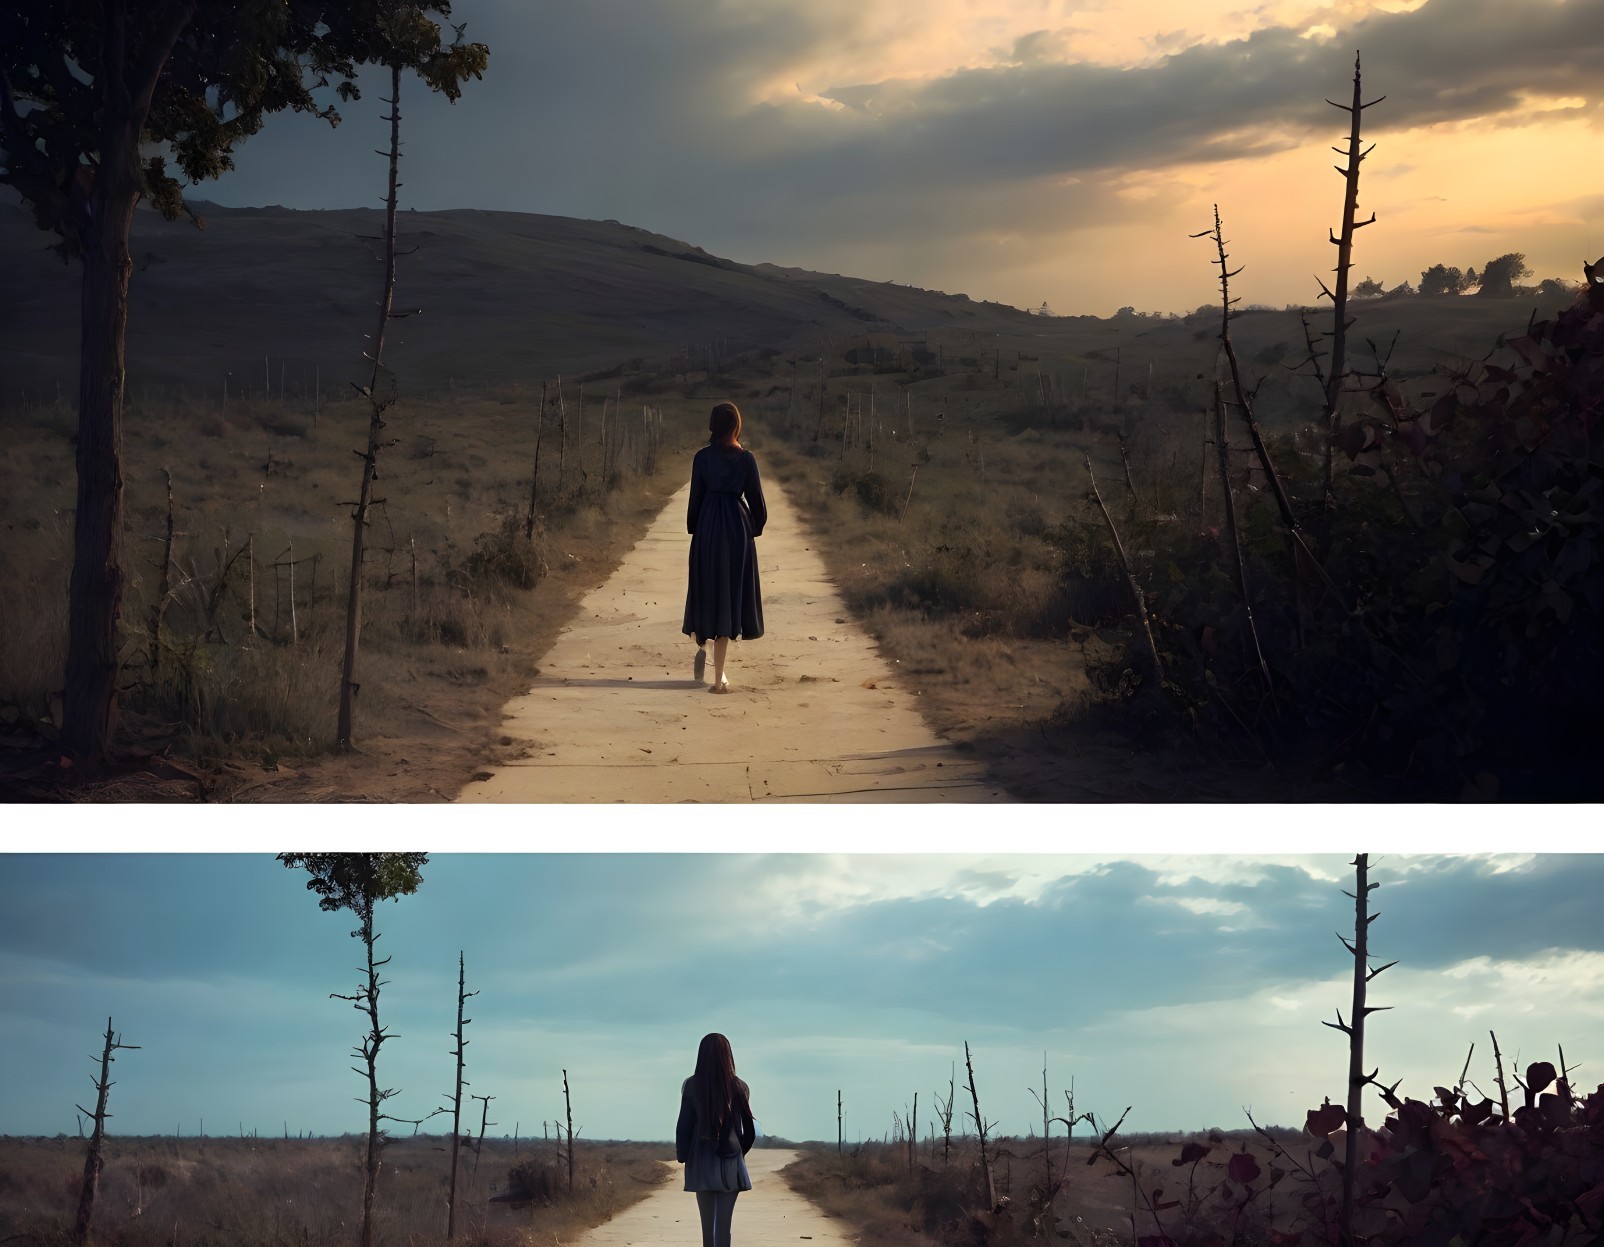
point(1095, 945)
point(1451, 60)
point(645, 114)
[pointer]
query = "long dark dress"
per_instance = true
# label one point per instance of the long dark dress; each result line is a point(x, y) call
point(725, 516)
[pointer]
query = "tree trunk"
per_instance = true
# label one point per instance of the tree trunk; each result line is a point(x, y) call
point(353, 607)
point(370, 1183)
point(980, 1131)
point(94, 1162)
point(103, 200)
point(90, 700)
point(1362, 919)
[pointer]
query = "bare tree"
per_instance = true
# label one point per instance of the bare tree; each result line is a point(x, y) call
point(456, 1100)
point(1333, 380)
point(568, 1108)
point(1354, 1029)
point(982, 1128)
point(408, 39)
point(944, 1115)
point(377, 406)
point(358, 882)
point(94, 1162)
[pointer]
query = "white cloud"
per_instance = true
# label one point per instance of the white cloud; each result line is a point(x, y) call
point(1270, 1049)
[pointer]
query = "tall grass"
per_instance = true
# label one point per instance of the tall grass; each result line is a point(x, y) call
point(446, 572)
point(158, 1192)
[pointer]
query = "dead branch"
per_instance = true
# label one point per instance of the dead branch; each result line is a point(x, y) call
point(534, 476)
point(1155, 670)
point(982, 1126)
point(1503, 1088)
point(1243, 398)
point(1222, 445)
point(484, 1121)
point(944, 1116)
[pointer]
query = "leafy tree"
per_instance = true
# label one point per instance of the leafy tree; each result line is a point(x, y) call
point(95, 98)
point(1369, 288)
point(1498, 278)
point(1556, 288)
point(1403, 290)
point(1439, 279)
point(358, 882)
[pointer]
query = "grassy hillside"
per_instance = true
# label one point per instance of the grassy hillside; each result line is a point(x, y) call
point(264, 297)
point(936, 444)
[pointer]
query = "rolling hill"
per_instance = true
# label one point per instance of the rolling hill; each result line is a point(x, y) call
point(270, 297)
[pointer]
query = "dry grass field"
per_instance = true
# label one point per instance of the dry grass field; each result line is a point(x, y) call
point(458, 610)
point(942, 469)
point(164, 1192)
point(942, 1202)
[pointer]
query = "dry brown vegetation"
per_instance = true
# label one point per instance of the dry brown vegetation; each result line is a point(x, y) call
point(872, 1188)
point(163, 1192)
point(957, 528)
point(460, 606)
point(947, 476)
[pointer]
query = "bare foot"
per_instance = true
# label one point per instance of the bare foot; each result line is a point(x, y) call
point(723, 686)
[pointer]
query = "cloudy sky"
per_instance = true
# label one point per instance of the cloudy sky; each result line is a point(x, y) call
point(1185, 987)
point(1027, 151)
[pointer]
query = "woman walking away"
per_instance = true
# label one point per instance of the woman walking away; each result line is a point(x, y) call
point(714, 1134)
point(726, 516)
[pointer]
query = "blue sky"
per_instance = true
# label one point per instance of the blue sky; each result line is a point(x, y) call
point(1188, 987)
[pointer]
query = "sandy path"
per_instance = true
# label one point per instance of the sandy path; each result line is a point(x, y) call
point(814, 712)
point(771, 1214)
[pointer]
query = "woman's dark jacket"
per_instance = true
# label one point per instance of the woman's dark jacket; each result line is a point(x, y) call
point(714, 1164)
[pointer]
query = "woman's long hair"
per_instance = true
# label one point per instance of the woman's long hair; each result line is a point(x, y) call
point(724, 426)
point(720, 1095)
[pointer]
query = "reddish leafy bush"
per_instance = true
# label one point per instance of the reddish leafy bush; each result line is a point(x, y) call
point(1455, 1171)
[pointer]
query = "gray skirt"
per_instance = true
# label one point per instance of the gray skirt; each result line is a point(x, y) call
point(706, 1170)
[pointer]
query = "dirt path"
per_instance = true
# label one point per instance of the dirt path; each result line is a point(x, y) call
point(771, 1214)
point(814, 712)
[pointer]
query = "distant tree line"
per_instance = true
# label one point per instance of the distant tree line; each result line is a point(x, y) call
point(1499, 279)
